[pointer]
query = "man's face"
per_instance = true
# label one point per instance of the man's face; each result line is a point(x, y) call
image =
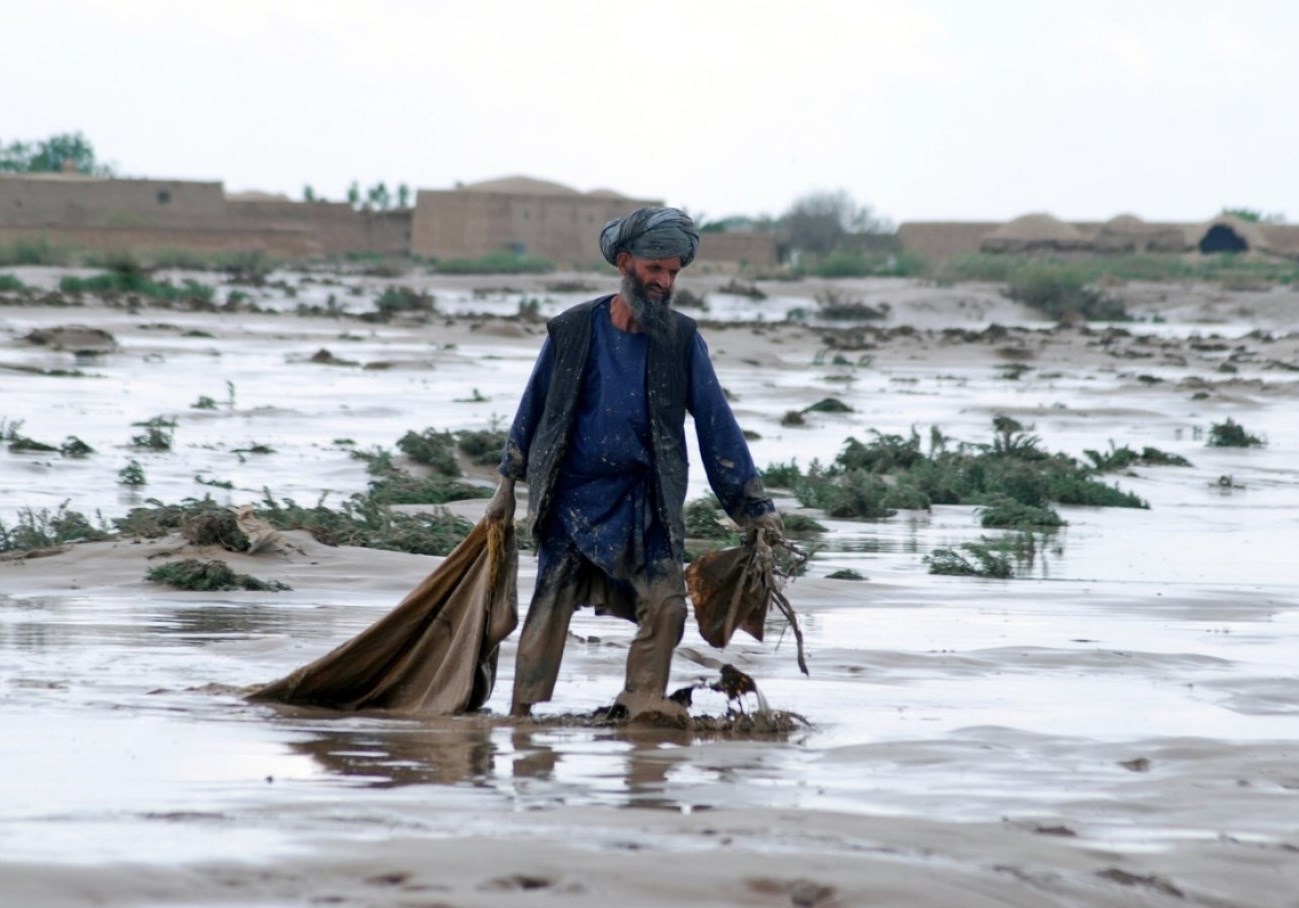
point(654, 278)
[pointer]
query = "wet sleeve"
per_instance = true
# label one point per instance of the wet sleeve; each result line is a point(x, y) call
point(514, 459)
point(725, 453)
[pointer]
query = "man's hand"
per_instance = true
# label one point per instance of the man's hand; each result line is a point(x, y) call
point(501, 505)
point(768, 524)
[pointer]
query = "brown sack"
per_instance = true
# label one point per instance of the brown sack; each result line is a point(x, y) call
point(435, 653)
point(728, 595)
point(733, 589)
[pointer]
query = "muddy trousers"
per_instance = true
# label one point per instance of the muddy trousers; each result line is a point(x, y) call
point(660, 614)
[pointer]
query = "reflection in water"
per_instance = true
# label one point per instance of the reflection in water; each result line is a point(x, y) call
point(211, 621)
point(533, 758)
point(396, 754)
point(545, 762)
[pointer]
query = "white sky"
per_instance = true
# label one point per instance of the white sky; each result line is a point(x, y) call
point(928, 109)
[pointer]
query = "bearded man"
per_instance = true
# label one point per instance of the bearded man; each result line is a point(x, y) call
point(600, 440)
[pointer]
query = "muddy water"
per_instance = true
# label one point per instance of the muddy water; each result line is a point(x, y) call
point(1136, 683)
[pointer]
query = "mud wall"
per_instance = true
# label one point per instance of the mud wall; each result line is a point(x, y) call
point(150, 215)
point(462, 223)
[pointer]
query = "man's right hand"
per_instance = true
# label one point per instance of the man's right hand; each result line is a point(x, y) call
point(501, 505)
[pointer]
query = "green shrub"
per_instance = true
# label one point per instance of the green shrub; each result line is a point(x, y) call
point(406, 489)
point(433, 449)
point(75, 447)
point(32, 251)
point(23, 443)
point(704, 519)
point(1061, 291)
point(828, 405)
point(208, 576)
point(158, 437)
point(10, 283)
point(364, 522)
point(131, 475)
point(800, 525)
point(781, 475)
point(404, 299)
point(135, 281)
point(483, 447)
point(903, 496)
point(982, 561)
point(855, 494)
point(46, 529)
point(1120, 458)
point(1231, 434)
point(884, 454)
point(248, 266)
point(503, 262)
point(1010, 513)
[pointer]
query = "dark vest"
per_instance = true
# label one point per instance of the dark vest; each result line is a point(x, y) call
point(667, 386)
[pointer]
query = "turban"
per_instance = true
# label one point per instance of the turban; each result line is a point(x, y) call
point(651, 233)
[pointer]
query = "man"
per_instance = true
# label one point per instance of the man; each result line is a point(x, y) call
point(600, 439)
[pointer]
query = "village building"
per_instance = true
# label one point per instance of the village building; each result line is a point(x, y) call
point(548, 220)
point(524, 216)
point(519, 215)
point(1039, 233)
point(152, 216)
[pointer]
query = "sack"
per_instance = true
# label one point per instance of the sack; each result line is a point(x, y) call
point(733, 589)
point(727, 594)
point(436, 652)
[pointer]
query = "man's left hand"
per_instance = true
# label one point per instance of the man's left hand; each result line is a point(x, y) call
point(768, 524)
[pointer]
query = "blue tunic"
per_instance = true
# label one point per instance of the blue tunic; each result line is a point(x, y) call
point(602, 500)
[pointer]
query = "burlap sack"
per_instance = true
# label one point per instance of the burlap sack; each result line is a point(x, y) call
point(733, 589)
point(436, 652)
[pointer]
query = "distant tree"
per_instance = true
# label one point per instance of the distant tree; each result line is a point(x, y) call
point(354, 195)
point(377, 197)
point(817, 222)
point(309, 194)
point(403, 195)
point(1254, 216)
point(71, 150)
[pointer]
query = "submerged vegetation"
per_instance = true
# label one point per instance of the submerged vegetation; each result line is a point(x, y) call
point(126, 274)
point(1013, 478)
point(46, 529)
point(1231, 434)
point(208, 576)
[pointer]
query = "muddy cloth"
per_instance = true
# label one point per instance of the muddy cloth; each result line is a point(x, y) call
point(436, 652)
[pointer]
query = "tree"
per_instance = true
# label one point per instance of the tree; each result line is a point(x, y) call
point(354, 195)
point(71, 151)
point(377, 197)
point(309, 194)
point(403, 195)
point(818, 222)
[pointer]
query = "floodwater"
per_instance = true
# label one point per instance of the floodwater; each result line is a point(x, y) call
point(1137, 683)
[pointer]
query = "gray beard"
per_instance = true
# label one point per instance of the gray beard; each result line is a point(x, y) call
point(652, 317)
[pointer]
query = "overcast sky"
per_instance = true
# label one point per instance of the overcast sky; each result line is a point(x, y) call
point(928, 109)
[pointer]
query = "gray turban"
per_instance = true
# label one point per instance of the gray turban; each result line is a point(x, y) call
point(651, 233)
